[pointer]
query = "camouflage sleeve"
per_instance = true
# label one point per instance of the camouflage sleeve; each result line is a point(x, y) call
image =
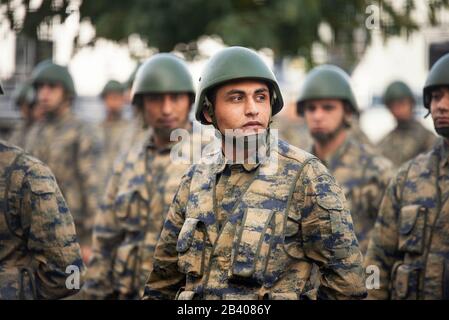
point(165, 280)
point(328, 235)
point(89, 152)
point(382, 171)
point(382, 249)
point(52, 238)
point(105, 240)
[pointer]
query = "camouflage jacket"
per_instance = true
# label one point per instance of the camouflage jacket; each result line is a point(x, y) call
point(409, 243)
point(130, 220)
point(71, 149)
point(113, 138)
point(290, 216)
point(19, 135)
point(363, 176)
point(405, 142)
point(38, 240)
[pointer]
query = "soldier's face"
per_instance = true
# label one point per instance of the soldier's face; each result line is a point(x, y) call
point(402, 109)
point(114, 102)
point(166, 112)
point(325, 118)
point(50, 96)
point(439, 107)
point(243, 105)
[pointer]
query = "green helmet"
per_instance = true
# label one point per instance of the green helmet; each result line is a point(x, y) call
point(326, 82)
point(132, 76)
point(162, 73)
point(25, 94)
point(397, 90)
point(47, 71)
point(438, 76)
point(232, 64)
point(112, 86)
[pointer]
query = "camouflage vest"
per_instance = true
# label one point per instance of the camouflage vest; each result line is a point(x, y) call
point(15, 268)
point(255, 247)
point(423, 230)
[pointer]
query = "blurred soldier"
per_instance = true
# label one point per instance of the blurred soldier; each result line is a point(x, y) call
point(113, 127)
point(293, 132)
point(328, 104)
point(253, 229)
point(38, 240)
point(137, 127)
point(25, 102)
point(409, 138)
point(143, 184)
point(410, 241)
point(69, 146)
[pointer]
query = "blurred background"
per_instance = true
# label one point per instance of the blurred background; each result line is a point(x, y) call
point(376, 42)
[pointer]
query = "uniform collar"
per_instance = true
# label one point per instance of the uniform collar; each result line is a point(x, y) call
point(341, 150)
point(443, 147)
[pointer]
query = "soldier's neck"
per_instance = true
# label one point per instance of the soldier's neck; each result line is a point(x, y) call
point(325, 150)
point(59, 113)
point(113, 116)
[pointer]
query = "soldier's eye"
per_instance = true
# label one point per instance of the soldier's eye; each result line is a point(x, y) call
point(236, 98)
point(310, 108)
point(437, 95)
point(328, 107)
point(261, 97)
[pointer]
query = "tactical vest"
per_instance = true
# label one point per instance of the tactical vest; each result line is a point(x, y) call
point(17, 278)
point(423, 228)
point(256, 253)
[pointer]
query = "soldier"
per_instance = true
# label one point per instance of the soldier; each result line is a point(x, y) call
point(25, 101)
point(38, 240)
point(137, 128)
point(328, 105)
point(253, 229)
point(69, 146)
point(113, 127)
point(409, 138)
point(143, 184)
point(409, 244)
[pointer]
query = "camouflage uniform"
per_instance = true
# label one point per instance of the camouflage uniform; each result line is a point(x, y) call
point(406, 141)
point(113, 140)
point(256, 233)
point(410, 239)
point(134, 131)
point(295, 133)
point(19, 135)
point(71, 149)
point(363, 177)
point(38, 240)
point(130, 221)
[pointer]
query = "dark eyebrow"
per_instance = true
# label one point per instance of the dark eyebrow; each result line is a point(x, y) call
point(261, 90)
point(235, 91)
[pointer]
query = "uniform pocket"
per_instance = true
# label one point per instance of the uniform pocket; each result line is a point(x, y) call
point(131, 211)
point(412, 223)
point(191, 247)
point(405, 282)
point(125, 268)
point(247, 247)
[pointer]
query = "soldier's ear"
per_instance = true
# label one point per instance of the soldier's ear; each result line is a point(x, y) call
point(207, 116)
point(347, 119)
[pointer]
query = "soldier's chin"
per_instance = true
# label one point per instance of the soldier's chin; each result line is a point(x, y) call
point(443, 131)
